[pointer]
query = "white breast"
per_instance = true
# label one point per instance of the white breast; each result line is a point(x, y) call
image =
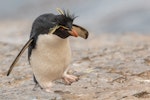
point(50, 58)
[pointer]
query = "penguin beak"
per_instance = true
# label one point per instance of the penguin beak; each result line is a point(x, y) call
point(73, 32)
point(79, 31)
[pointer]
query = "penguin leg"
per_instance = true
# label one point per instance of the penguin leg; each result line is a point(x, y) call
point(46, 86)
point(34, 79)
point(69, 78)
point(36, 84)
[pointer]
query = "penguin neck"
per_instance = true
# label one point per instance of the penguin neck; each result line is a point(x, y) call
point(58, 40)
point(52, 40)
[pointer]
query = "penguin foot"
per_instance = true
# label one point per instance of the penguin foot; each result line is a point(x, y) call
point(47, 88)
point(36, 86)
point(69, 78)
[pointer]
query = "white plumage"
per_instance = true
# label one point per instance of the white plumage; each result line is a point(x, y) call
point(50, 59)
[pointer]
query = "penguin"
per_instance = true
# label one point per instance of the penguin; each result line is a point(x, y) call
point(49, 52)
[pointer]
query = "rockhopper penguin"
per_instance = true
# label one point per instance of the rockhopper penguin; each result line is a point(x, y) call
point(49, 52)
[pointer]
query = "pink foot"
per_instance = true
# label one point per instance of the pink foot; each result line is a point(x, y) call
point(48, 90)
point(69, 78)
point(47, 87)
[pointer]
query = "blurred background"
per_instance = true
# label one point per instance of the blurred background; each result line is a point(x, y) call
point(97, 16)
point(114, 62)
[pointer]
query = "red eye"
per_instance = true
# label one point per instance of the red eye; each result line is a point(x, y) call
point(62, 29)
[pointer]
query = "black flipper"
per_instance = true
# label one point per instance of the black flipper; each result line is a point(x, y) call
point(18, 56)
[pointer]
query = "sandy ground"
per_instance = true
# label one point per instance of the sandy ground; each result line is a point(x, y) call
point(110, 67)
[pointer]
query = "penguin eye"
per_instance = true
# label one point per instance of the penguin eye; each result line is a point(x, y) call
point(62, 29)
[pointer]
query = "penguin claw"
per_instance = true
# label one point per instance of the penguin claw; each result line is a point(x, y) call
point(69, 78)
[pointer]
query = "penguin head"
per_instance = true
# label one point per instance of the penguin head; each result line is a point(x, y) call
point(67, 28)
point(65, 20)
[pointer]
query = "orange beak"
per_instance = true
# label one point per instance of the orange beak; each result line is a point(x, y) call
point(74, 33)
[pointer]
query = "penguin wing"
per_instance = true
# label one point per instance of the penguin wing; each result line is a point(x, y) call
point(82, 32)
point(18, 56)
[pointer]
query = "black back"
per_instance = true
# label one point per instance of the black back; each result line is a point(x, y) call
point(41, 25)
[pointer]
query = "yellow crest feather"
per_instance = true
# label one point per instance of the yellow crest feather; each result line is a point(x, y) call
point(60, 11)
